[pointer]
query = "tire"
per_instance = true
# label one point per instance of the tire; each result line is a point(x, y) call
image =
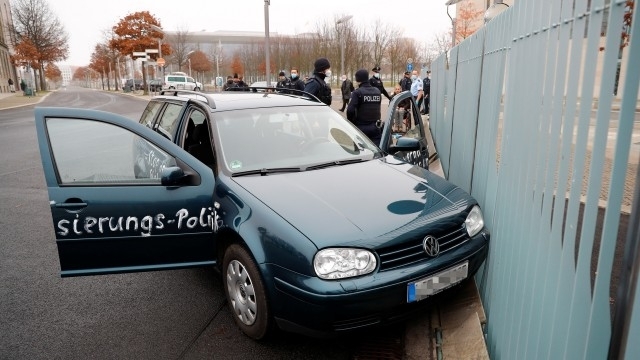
point(245, 293)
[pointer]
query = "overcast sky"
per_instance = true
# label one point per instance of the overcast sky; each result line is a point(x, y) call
point(86, 22)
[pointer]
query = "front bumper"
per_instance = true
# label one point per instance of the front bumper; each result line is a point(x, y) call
point(318, 307)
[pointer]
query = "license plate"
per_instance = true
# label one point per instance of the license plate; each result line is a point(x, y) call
point(431, 285)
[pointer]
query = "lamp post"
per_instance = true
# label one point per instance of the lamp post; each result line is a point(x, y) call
point(342, 20)
point(453, 21)
point(159, 29)
point(266, 35)
point(189, 60)
point(494, 10)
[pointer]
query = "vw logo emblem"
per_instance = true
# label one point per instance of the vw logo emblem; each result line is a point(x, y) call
point(431, 246)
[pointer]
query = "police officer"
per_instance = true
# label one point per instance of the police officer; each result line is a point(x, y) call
point(316, 84)
point(282, 80)
point(377, 82)
point(364, 107)
point(294, 82)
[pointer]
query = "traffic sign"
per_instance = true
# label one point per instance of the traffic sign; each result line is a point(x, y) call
point(160, 61)
point(410, 61)
point(151, 51)
point(139, 53)
point(409, 66)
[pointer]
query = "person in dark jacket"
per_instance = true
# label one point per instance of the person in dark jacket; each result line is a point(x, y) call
point(294, 81)
point(316, 84)
point(346, 88)
point(282, 80)
point(376, 82)
point(426, 89)
point(405, 83)
point(364, 107)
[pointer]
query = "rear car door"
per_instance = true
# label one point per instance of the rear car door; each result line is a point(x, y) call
point(402, 135)
point(108, 220)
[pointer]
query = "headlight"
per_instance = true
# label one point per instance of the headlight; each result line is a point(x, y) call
point(340, 263)
point(474, 222)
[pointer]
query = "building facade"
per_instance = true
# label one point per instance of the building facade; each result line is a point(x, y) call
point(7, 70)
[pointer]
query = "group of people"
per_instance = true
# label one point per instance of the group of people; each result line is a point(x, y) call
point(362, 103)
point(12, 87)
point(235, 83)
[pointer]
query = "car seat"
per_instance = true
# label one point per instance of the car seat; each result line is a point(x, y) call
point(202, 148)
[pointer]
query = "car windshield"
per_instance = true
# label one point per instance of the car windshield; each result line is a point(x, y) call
point(289, 137)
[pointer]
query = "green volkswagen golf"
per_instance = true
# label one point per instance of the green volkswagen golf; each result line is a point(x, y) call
point(313, 228)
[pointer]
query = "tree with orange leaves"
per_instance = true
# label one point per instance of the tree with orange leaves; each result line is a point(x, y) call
point(468, 20)
point(236, 64)
point(137, 32)
point(199, 62)
point(37, 35)
point(52, 72)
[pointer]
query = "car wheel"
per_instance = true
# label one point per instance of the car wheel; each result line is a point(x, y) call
point(245, 293)
point(196, 89)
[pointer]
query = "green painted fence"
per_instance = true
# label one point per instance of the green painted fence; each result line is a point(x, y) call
point(527, 114)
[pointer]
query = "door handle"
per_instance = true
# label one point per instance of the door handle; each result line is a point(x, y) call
point(72, 204)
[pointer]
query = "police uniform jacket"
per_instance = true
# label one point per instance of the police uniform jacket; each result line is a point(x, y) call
point(364, 106)
point(317, 87)
point(297, 84)
point(377, 83)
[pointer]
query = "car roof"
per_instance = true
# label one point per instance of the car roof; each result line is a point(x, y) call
point(237, 100)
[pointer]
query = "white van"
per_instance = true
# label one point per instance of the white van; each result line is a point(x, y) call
point(181, 81)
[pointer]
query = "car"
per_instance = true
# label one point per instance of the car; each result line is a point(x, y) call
point(181, 81)
point(155, 85)
point(313, 228)
point(133, 84)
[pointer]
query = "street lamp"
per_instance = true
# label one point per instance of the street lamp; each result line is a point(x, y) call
point(162, 64)
point(266, 34)
point(494, 10)
point(189, 60)
point(453, 21)
point(342, 20)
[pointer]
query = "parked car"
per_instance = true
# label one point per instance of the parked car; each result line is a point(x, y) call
point(155, 85)
point(180, 81)
point(313, 227)
point(133, 84)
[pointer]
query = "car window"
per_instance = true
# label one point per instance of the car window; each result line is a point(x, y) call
point(149, 113)
point(190, 79)
point(296, 136)
point(107, 154)
point(169, 120)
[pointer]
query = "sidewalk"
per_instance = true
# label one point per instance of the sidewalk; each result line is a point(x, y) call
point(17, 99)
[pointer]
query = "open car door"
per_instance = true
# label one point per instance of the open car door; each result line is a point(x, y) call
point(106, 218)
point(402, 135)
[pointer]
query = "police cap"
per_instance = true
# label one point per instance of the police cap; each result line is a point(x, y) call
point(376, 68)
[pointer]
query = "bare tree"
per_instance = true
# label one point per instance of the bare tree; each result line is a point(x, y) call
point(39, 36)
point(441, 43)
point(180, 43)
point(381, 35)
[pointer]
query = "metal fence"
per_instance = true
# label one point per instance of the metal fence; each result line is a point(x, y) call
point(528, 115)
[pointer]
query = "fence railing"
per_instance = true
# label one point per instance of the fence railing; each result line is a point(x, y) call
point(524, 117)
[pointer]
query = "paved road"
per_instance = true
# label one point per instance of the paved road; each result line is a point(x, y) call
point(177, 314)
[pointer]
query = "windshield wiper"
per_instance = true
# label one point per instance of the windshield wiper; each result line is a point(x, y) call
point(263, 172)
point(333, 163)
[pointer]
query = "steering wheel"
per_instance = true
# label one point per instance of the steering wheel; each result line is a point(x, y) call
point(306, 145)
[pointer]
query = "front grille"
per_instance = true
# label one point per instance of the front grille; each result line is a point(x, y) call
point(412, 251)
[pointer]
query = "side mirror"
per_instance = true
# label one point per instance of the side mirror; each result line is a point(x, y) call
point(405, 144)
point(172, 176)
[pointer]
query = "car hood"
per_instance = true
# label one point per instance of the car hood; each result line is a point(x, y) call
point(350, 203)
